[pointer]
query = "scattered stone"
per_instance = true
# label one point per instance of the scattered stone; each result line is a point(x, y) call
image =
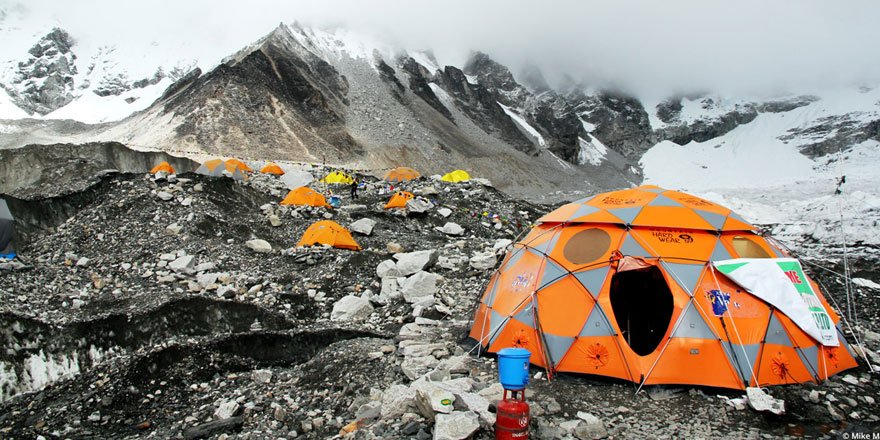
point(184, 264)
point(274, 220)
point(164, 196)
point(261, 376)
point(482, 261)
point(419, 285)
point(451, 229)
point(206, 430)
point(412, 262)
point(351, 308)
point(363, 226)
point(173, 229)
point(590, 428)
point(445, 212)
point(456, 426)
point(393, 247)
point(258, 245)
point(227, 409)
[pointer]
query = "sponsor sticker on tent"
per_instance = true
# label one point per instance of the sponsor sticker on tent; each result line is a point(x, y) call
point(782, 283)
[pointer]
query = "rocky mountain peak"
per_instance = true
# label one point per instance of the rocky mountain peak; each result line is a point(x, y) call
point(490, 73)
point(533, 79)
point(45, 81)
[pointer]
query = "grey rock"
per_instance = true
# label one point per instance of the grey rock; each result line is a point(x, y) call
point(351, 308)
point(363, 226)
point(451, 228)
point(173, 229)
point(164, 196)
point(184, 264)
point(418, 205)
point(412, 262)
point(431, 399)
point(387, 268)
point(258, 245)
point(445, 212)
point(419, 285)
point(261, 376)
point(590, 428)
point(482, 261)
point(397, 401)
point(456, 426)
point(227, 409)
point(274, 220)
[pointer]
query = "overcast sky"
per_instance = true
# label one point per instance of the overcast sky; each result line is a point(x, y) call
point(646, 46)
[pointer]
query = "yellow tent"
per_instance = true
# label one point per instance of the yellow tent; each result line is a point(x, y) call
point(272, 168)
point(337, 177)
point(456, 176)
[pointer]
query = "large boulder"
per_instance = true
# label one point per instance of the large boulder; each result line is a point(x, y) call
point(398, 400)
point(420, 285)
point(483, 260)
point(386, 269)
point(258, 245)
point(351, 308)
point(451, 229)
point(412, 262)
point(456, 426)
point(363, 226)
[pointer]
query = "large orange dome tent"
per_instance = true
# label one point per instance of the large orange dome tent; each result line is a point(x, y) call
point(330, 233)
point(660, 287)
point(399, 199)
point(304, 196)
point(162, 167)
point(272, 168)
point(401, 174)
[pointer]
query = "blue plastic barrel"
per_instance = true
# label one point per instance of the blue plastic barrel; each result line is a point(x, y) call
point(513, 368)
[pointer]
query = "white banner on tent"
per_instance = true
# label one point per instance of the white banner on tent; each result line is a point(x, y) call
point(782, 283)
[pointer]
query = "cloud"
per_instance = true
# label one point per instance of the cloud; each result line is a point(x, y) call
point(644, 46)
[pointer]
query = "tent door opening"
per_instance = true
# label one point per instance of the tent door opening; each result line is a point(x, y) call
point(642, 305)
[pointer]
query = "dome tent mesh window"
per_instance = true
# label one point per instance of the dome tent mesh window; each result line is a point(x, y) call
point(642, 305)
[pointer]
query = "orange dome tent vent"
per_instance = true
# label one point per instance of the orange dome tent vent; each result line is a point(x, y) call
point(398, 200)
point(639, 285)
point(164, 166)
point(330, 233)
point(272, 168)
point(305, 196)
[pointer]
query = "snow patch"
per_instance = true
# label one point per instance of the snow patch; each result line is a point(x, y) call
point(591, 152)
point(524, 126)
point(425, 60)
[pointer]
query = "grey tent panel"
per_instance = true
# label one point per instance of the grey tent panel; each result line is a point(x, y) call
point(548, 245)
point(490, 300)
point(686, 275)
point(7, 223)
point(593, 279)
point(810, 357)
point(597, 324)
point(626, 214)
point(584, 210)
point(743, 358)
point(662, 200)
point(526, 316)
point(692, 325)
point(557, 346)
point(776, 334)
point(497, 322)
point(720, 252)
point(552, 274)
point(654, 190)
point(632, 248)
point(716, 220)
point(515, 255)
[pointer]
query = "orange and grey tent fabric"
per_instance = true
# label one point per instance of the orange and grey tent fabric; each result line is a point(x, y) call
point(640, 285)
point(330, 233)
point(163, 167)
point(401, 174)
point(399, 199)
point(215, 167)
point(337, 177)
point(272, 168)
point(304, 196)
point(7, 225)
point(456, 176)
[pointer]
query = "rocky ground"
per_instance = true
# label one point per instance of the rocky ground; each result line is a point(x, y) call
point(181, 308)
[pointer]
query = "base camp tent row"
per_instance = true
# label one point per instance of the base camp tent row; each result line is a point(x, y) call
point(660, 287)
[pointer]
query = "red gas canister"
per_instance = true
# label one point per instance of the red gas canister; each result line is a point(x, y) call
point(512, 416)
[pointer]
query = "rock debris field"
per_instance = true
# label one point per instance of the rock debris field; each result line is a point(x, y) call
point(182, 308)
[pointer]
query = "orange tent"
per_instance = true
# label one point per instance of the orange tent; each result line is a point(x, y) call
point(401, 174)
point(272, 168)
point(164, 166)
point(399, 199)
point(304, 196)
point(658, 287)
point(330, 233)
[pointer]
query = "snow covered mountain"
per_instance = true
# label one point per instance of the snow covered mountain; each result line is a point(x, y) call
point(307, 94)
